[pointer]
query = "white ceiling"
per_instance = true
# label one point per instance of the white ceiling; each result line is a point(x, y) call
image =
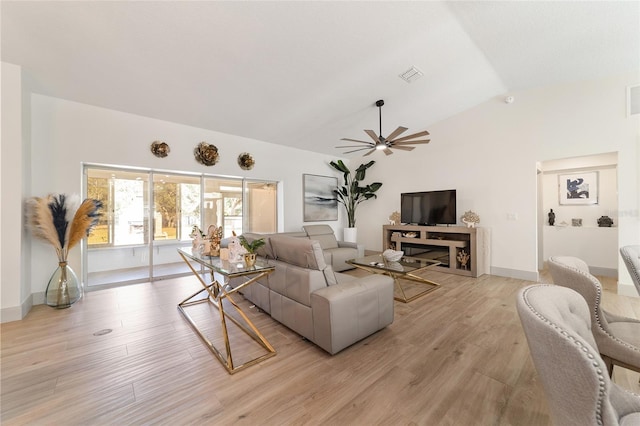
point(306, 73)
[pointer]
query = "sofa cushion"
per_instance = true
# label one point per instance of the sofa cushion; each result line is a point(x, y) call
point(323, 234)
point(298, 251)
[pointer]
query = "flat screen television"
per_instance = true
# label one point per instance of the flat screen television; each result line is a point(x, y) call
point(429, 207)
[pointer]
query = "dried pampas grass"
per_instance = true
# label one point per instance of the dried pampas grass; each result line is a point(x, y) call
point(62, 221)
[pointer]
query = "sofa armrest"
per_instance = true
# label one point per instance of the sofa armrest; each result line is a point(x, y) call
point(346, 313)
point(342, 244)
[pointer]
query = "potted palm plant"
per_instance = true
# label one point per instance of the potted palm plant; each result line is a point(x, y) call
point(351, 194)
point(250, 247)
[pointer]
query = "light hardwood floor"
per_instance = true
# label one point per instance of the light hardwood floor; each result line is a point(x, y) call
point(456, 356)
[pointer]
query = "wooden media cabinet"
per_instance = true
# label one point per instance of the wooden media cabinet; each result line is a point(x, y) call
point(442, 243)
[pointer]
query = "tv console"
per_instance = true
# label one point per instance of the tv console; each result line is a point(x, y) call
point(448, 244)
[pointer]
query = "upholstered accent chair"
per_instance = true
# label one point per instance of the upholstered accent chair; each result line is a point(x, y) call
point(336, 253)
point(618, 337)
point(557, 325)
point(631, 257)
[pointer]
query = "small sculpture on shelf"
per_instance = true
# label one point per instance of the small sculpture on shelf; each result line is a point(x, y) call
point(394, 218)
point(463, 257)
point(605, 222)
point(470, 218)
point(552, 218)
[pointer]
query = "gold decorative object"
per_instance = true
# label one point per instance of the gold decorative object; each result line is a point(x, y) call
point(246, 161)
point(206, 154)
point(249, 259)
point(160, 149)
point(463, 257)
point(470, 218)
point(214, 235)
point(394, 218)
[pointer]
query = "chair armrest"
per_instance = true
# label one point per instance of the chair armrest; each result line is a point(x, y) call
point(348, 312)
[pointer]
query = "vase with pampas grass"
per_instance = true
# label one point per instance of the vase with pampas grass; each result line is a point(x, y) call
point(62, 221)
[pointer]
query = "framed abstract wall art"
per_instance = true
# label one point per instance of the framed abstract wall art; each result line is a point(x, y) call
point(578, 188)
point(320, 203)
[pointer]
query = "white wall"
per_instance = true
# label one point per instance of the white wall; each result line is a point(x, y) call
point(489, 155)
point(65, 134)
point(15, 299)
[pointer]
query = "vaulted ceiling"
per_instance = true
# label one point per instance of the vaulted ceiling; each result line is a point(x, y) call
point(307, 73)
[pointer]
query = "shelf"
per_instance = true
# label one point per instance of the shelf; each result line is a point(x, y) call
point(452, 240)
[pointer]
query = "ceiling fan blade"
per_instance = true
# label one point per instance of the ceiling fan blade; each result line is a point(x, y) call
point(355, 150)
point(397, 132)
point(404, 148)
point(387, 151)
point(413, 136)
point(355, 140)
point(373, 135)
point(353, 146)
point(410, 142)
point(370, 152)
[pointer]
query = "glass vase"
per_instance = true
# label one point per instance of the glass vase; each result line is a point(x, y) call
point(63, 289)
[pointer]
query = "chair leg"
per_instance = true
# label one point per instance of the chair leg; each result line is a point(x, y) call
point(609, 363)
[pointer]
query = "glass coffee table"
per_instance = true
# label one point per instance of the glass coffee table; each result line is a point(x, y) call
point(404, 269)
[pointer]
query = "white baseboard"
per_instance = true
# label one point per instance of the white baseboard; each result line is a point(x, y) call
point(16, 313)
point(515, 273)
point(605, 272)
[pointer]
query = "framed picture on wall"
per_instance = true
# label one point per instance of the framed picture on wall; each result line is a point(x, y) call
point(320, 202)
point(578, 188)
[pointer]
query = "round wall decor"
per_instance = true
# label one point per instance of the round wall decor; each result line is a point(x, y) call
point(206, 154)
point(160, 149)
point(246, 161)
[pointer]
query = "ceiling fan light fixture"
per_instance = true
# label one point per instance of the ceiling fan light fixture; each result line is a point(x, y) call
point(380, 143)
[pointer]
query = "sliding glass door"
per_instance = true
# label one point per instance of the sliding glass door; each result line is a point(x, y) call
point(147, 215)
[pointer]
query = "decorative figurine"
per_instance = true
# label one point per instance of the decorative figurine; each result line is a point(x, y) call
point(552, 218)
point(463, 257)
point(470, 218)
point(605, 222)
point(236, 251)
point(394, 218)
point(214, 235)
point(198, 239)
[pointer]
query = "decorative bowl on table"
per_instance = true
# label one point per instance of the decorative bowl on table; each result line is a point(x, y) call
point(392, 255)
point(410, 234)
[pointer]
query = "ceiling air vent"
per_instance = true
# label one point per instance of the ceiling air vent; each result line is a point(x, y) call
point(411, 75)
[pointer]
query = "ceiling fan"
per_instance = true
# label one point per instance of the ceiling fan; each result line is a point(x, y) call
point(393, 141)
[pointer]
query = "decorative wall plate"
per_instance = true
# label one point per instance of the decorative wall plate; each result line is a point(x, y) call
point(206, 154)
point(246, 161)
point(160, 149)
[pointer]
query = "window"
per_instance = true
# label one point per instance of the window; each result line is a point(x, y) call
point(180, 201)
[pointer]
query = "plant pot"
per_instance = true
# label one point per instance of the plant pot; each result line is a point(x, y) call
point(351, 235)
point(249, 259)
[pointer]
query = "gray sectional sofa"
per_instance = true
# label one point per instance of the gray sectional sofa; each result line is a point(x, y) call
point(332, 310)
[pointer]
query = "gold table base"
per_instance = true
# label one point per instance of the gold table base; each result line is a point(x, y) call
point(217, 293)
point(400, 276)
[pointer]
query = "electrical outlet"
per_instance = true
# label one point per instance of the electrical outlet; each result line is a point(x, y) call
point(512, 216)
